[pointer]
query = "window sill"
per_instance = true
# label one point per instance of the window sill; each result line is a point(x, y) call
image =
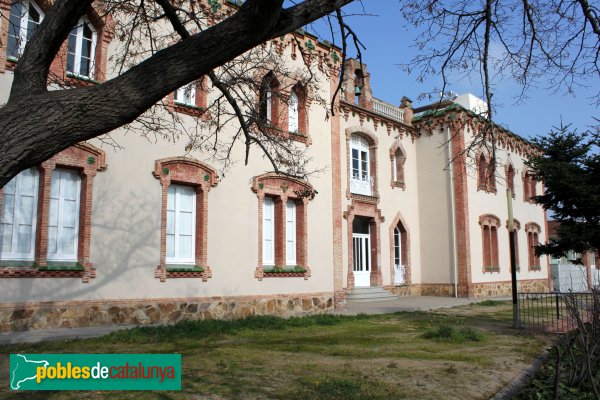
point(491, 269)
point(398, 184)
point(278, 272)
point(182, 271)
point(27, 269)
point(535, 269)
point(79, 80)
point(487, 190)
point(188, 109)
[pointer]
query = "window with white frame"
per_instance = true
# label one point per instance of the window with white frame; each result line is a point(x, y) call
point(25, 16)
point(186, 95)
point(63, 218)
point(268, 231)
point(19, 213)
point(360, 176)
point(293, 113)
point(181, 225)
point(290, 233)
point(81, 49)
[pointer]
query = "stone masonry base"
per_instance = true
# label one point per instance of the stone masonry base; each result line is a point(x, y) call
point(490, 289)
point(71, 314)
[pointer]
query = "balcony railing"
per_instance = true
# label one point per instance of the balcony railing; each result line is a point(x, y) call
point(361, 185)
point(388, 110)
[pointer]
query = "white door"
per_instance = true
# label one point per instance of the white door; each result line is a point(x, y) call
point(362, 259)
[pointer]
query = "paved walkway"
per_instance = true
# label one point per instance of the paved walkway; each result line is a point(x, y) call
point(407, 303)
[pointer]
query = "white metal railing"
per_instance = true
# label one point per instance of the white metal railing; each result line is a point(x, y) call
point(399, 272)
point(388, 110)
point(361, 185)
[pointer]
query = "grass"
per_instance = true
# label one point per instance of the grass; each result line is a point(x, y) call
point(471, 353)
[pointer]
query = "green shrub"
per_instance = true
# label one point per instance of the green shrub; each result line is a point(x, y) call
point(450, 334)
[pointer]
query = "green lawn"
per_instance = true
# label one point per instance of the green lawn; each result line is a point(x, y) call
point(462, 353)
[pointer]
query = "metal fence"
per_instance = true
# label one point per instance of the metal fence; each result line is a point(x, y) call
point(548, 312)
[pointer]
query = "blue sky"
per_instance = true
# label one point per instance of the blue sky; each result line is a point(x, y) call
point(388, 39)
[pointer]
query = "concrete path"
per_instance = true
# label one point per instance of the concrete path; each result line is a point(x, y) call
point(406, 303)
point(409, 303)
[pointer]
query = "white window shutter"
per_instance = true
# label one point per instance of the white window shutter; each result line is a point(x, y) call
point(290, 233)
point(268, 231)
point(63, 221)
point(181, 225)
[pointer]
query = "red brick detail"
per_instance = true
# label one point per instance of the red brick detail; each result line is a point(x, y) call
point(199, 109)
point(486, 173)
point(336, 206)
point(369, 210)
point(399, 222)
point(373, 142)
point(281, 189)
point(397, 161)
point(202, 177)
point(533, 230)
point(20, 272)
point(86, 159)
point(529, 187)
point(105, 29)
point(463, 249)
point(509, 170)
point(489, 239)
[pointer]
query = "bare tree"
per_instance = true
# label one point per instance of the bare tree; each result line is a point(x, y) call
point(36, 122)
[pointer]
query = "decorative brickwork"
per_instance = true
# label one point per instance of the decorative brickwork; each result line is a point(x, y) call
point(372, 140)
point(198, 110)
point(533, 231)
point(102, 22)
point(489, 239)
point(400, 223)
point(486, 173)
point(369, 210)
point(397, 161)
point(77, 314)
point(87, 160)
point(202, 177)
point(281, 189)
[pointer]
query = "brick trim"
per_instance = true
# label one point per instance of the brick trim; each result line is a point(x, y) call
point(398, 165)
point(510, 177)
point(533, 231)
point(486, 173)
point(489, 241)
point(202, 177)
point(373, 143)
point(87, 160)
point(283, 188)
point(529, 187)
point(199, 108)
point(405, 248)
point(369, 210)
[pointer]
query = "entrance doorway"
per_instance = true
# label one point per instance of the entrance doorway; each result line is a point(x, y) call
point(361, 249)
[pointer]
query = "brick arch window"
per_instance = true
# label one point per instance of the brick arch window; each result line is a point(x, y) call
point(297, 110)
point(362, 165)
point(529, 187)
point(268, 100)
point(190, 99)
point(282, 228)
point(398, 159)
point(184, 217)
point(24, 18)
point(400, 254)
point(533, 231)
point(516, 228)
point(46, 216)
point(486, 173)
point(510, 178)
point(359, 84)
point(489, 233)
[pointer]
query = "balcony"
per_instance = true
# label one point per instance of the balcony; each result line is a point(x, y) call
point(388, 110)
point(361, 185)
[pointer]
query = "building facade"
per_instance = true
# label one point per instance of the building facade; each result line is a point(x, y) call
point(152, 233)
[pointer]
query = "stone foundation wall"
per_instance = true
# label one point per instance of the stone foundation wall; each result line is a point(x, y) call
point(404, 290)
point(504, 289)
point(46, 315)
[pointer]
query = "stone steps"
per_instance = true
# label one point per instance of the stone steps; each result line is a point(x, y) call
point(372, 293)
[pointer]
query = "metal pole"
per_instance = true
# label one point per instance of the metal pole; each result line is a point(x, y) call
point(513, 261)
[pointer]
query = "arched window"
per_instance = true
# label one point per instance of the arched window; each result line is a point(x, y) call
point(398, 158)
point(25, 16)
point(359, 83)
point(529, 187)
point(81, 50)
point(486, 171)
point(293, 117)
point(489, 230)
point(268, 107)
point(533, 230)
point(510, 179)
point(360, 166)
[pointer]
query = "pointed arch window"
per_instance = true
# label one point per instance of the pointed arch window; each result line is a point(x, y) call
point(293, 113)
point(81, 50)
point(268, 107)
point(489, 230)
point(360, 166)
point(533, 230)
point(486, 173)
point(510, 179)
point(398, 159)
point(25, 16)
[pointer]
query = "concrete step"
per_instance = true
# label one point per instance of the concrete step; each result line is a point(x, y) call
point(373, 293)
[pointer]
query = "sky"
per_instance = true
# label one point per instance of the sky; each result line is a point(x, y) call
point(388, 39)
